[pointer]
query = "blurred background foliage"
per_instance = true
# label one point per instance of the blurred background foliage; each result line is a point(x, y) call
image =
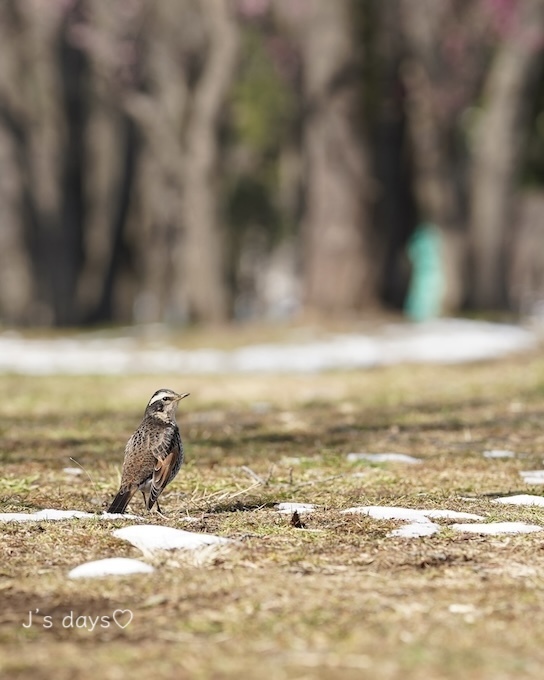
point(203, 161)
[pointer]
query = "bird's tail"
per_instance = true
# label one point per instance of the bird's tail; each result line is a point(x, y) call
point(120, 502)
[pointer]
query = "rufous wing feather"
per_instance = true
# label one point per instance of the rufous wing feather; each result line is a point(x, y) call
point(161, 475)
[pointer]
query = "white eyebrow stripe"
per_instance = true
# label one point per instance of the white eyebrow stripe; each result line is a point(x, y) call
point(159, 396)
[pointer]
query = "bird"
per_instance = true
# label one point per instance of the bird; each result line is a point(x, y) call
point(153, 454)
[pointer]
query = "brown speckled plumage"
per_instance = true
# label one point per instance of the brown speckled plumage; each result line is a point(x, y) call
point(154, 453)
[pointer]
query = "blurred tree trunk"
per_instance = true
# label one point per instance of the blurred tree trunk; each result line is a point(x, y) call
point(16, 289)
point(395, 212)
point(202, 267)
point(71, 259)
point(190, 63)
point(105, 309)
point(338, 271)
point(437, 90)
point(113, 203)
point(32, 117)
point(497, 154)
point(173, 40)
point(67, 256)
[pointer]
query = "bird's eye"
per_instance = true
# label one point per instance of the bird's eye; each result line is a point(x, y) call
point(165, 398)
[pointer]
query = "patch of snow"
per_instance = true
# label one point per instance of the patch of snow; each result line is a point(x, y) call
point(116, 515)
point(521, 499)
point(499, 453)
point(73, 471)
point(450, 514)
point(289, 508)
point(495, 528)
point(261, 407)
point(456, 608)
point(409, 514)
point(532, 476)
point(388, 512)
point(383, 458)
point(415, 530)
point(56, 515)
point(113, 566)
point(150, 538)
point(339, 352)
point(440, 341)
point(42, 515)
point(452, 341)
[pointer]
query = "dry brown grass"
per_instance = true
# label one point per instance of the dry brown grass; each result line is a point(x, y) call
point(337, 598)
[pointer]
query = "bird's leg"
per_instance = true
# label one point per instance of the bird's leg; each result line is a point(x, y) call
point(145, 499)
point(160, 512)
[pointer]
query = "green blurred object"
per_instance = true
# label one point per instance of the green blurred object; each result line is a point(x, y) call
point(424, 299)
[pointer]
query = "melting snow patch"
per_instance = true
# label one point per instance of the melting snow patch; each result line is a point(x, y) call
point(116, 515)
point(494, 528)
point(386, 512)
point(499, 453)
point(440, 341)
point(113, 566)
point(461, 608)
point(533, 476)
point(522, 499)
point(150, 538)
point(289, 508)
point(450, 514)
point(415, 530)
point(452, 341)
point(383, 458)
point(72, 471)
point(56, 515)
point(467, 611)
point(409, 514)
point(421, 525)
point(42, 515)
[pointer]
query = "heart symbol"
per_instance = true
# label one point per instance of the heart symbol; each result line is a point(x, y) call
point(122, 617)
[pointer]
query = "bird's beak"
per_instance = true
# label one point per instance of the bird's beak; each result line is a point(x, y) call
point(182, 396)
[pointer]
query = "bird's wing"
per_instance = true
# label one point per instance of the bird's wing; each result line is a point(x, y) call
point(167, 455)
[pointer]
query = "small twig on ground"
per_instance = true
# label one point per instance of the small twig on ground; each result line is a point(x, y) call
point(249, 488)
point(253, 475)
point(195, 501)
point(319, 481)
point(269, 476)
point(97, 492)
point(220, 496)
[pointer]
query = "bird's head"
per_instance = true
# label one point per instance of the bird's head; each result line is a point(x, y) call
point(163, 403)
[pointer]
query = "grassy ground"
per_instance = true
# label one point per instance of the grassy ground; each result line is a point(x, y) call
point(337, 598)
